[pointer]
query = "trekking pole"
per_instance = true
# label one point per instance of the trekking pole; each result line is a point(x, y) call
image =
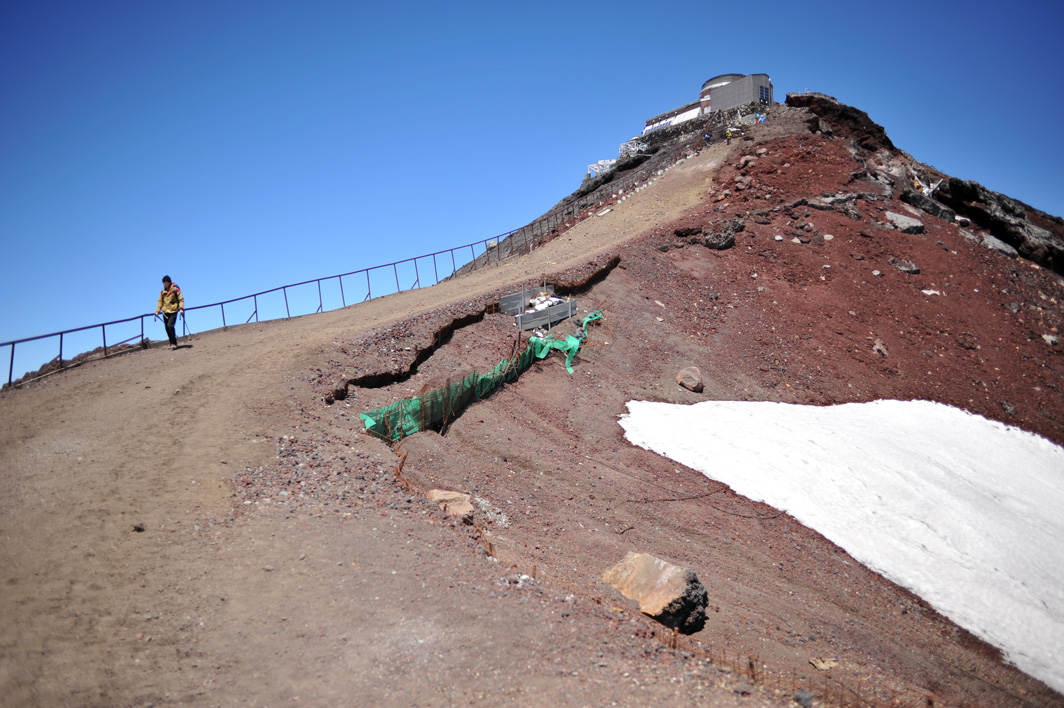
point(184, 325)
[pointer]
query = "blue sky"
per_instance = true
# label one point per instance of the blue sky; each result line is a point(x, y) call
point(240, 146)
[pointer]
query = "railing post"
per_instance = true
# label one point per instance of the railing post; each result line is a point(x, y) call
point(141, 339)
point(343, 300)
point(396, 269)
point(369, 287)
point(11, 366)
point(286, 310)
point(103, 331)
point(435, 269)
point(321, 304)
point(474, 254)
point(61, 348)
point(223, 316)
point(454, 267)
point(417, 274)
point(255, 298)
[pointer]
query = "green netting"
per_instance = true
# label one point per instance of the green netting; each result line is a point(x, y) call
point(430, 409)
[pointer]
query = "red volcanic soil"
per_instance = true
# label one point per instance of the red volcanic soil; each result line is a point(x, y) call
point(202, 527)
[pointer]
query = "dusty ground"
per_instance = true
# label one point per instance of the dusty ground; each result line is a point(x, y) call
point(200, 528)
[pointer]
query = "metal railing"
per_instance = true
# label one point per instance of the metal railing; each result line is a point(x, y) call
point(503, 246)
point(456, 261)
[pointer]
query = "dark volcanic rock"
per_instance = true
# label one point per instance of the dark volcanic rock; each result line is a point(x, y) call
point(927, 204)
point(844, 120)
point(1006, 219)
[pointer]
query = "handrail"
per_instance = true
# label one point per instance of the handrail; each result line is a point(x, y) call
point(521, 240)
point(254, 296)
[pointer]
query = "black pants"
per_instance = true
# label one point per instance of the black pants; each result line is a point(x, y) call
point(170, 321)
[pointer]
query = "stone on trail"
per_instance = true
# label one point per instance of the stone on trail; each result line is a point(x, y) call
point(454, 504)
point(672, 595)
point(690, 378)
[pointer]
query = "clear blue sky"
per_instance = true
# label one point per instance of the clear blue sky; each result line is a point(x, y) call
point(239, 146)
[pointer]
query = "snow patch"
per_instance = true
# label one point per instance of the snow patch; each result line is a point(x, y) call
point(963, 511)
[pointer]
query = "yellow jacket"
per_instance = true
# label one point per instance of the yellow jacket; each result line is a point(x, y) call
point(170, 300)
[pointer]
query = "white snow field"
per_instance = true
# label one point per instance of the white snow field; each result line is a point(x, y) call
point(963, 511)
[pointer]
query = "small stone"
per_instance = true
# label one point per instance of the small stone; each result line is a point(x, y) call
point(907, 267)
point(454, 504)
point(803, 698)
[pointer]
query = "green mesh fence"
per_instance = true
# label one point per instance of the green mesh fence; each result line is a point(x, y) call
point(431, 409)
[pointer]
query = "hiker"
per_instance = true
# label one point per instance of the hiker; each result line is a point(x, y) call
point(708, 138)
point(728, 136)
point(171, 302)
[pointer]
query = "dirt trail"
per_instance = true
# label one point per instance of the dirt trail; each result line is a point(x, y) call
point(97, 611)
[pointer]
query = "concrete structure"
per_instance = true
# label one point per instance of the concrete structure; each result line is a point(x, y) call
point(705, 95)
point(673, 117)
point(720, 93)
point(755, 88)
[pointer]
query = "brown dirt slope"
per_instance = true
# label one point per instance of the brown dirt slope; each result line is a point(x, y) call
point(201, 528)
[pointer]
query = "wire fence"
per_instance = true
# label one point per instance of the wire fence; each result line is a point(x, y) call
point(307, 297)
point(575, 209)
point(337, 291)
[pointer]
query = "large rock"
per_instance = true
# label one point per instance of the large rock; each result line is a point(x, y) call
point(690, 378)
point(721, 233)
point(927, 204)
point(719, 242)
point(996, 244)
point(905, 224)
point(1008, 220)
point(670, 594)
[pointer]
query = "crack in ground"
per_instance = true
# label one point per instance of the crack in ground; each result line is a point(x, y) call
point(380, 379)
